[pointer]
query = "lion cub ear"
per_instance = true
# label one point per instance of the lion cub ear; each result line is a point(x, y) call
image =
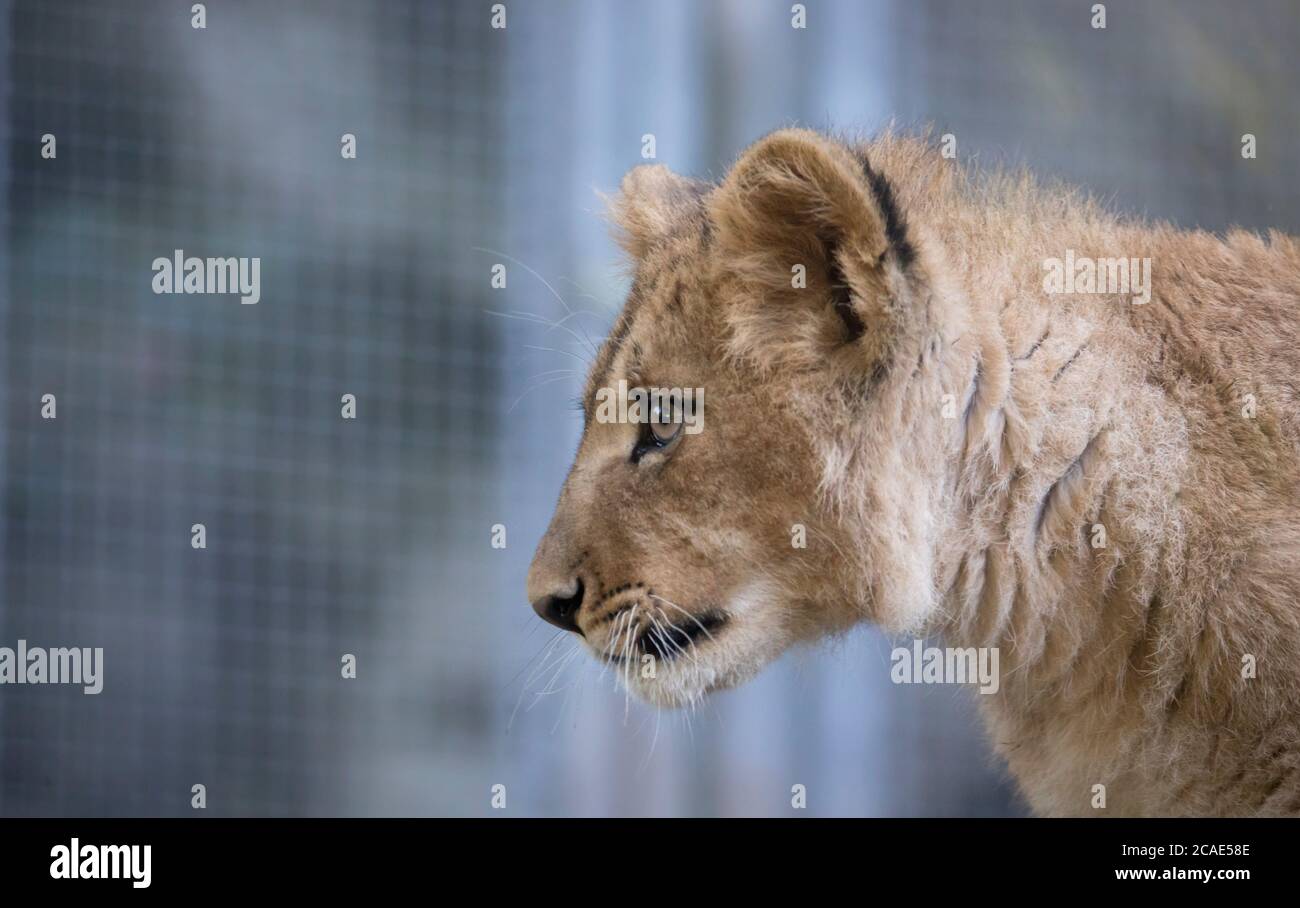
point(651, 202)
point(813, 235)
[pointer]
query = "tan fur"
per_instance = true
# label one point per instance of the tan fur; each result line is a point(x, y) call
point(1121, 665)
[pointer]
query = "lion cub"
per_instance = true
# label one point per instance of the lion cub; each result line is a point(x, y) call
point(964, 406)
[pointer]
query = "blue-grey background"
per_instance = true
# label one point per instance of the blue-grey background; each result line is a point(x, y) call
point(372, 536)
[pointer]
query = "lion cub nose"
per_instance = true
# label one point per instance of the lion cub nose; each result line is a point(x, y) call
point(561, 608)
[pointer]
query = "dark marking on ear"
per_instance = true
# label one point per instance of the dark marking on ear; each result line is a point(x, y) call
point(842, 296)
point(895, 226)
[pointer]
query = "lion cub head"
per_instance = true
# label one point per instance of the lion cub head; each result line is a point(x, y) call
point(755, 467)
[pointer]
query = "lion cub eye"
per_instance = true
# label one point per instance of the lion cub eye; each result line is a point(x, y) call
point(665, 422)
point(661, 429)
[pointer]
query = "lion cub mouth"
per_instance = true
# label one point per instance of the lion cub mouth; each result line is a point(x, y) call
point(638, 631)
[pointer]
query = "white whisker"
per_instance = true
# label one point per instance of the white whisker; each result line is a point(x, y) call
point(545, 283)
point(686, 613)
point(580, 359)
point(549, 381)
point(535, 319)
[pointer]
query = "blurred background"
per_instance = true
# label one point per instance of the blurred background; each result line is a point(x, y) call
point(325, 536)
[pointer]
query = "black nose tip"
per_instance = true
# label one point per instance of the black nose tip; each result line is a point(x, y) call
point(560, 610)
